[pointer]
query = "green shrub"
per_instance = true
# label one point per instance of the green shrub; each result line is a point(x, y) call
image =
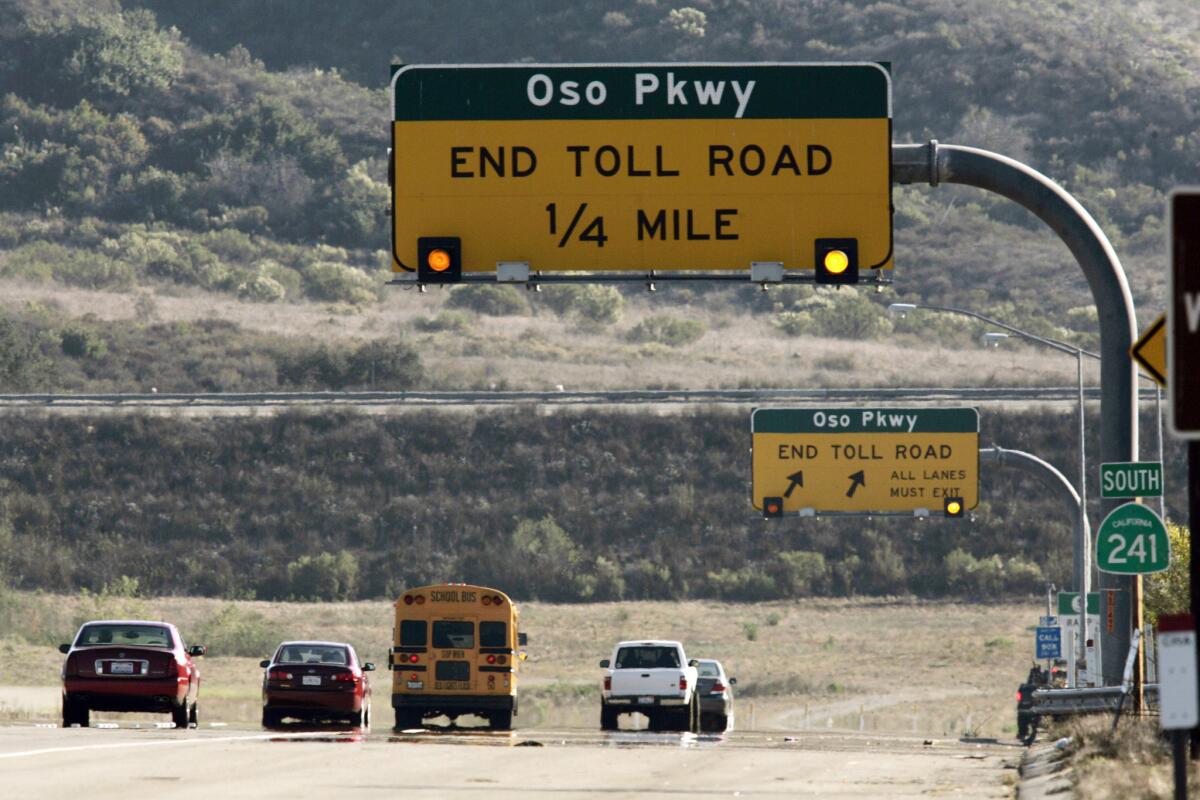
point(339, 283)
point(599, 305)
point(671, 331)
point(747, 584)
point(793, 323)
point(235, 631)
point(261, 289)
point(751, 631)
point(72, 266)
point(800, 573)
point(444, 321)
point(495, 301)
point(324, 577)
point(78, 342)
point(559, 299)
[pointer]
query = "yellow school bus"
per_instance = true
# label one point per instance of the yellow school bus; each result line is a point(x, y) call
point(455, 651)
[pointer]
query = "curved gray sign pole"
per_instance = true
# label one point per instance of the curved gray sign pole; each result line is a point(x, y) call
point(935, 163)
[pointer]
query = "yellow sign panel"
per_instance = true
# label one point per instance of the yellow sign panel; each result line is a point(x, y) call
point(584, 168)
point(888, 459)
point(1150, 351)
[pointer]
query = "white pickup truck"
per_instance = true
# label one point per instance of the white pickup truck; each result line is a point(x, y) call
point(654, 678)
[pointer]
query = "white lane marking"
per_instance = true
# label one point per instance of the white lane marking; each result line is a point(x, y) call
point(162, 742)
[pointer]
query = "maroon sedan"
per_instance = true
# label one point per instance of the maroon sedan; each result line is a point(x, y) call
point(129, 665)
point(316, 681)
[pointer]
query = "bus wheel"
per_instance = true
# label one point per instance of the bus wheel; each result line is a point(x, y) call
point(407, 718)
point(500, 720)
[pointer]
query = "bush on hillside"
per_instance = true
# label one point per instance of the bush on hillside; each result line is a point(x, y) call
point(495, 301)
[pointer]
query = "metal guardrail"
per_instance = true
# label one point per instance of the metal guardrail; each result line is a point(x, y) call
point(1096, 700)
point(617, 397)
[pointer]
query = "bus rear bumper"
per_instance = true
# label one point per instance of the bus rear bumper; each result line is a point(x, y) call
point(458, 704)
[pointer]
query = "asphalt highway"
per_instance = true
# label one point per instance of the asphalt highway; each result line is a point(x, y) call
point(131, 760)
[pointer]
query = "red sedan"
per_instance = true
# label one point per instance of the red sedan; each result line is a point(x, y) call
point(316, 681)
point(129, 665)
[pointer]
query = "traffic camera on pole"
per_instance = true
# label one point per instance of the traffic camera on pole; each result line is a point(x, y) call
point(837, 261)
point(439, 259)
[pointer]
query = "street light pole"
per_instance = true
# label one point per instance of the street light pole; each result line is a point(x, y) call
point(1082, 561)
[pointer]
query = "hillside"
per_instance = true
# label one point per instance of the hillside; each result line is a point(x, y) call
point(567, 506)
point(238, 147)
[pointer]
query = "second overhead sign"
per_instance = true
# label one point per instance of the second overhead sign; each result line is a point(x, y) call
point(865, 459)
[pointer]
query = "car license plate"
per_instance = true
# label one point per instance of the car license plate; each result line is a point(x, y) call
point(416, 684)
point(121, 667)
point(311, 680)
point(646, 701)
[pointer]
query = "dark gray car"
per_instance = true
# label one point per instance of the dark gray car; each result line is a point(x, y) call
point(716, 696)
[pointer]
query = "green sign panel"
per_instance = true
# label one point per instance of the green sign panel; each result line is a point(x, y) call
point(664, 167)
point(865, 459)
point(1132, 541)
point(1131, 479)
point(1068, 603)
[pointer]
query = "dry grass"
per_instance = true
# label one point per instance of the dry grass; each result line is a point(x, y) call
point(1134, 763)
point(941, 669)
point(544, 351)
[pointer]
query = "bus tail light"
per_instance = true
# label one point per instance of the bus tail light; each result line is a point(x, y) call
point(502, 660)
point(491, 659)
point(414, 658)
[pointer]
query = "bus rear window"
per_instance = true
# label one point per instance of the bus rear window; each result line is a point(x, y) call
point(493, 634)
point(413, 633)
point(459, 635)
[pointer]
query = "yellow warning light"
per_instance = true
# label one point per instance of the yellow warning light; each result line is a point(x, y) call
point(954, 506)
point(438, 260)
point(836, 262)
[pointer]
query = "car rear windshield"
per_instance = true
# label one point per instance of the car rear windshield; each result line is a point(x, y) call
point(313, 654)
point(455, 634)
point(708, 670)
point(413, 633)
point(647, 657)
point(493, 634)
point(143, 635)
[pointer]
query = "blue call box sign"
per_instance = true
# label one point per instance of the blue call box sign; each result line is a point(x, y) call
point(1049, 642)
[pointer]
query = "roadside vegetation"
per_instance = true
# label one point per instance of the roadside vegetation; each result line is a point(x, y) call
point(1134, 761)
point(566, 507)
point(154, 146)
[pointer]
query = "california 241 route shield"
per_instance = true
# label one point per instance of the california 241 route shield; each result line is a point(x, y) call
point(865, 459)
point(642, 167)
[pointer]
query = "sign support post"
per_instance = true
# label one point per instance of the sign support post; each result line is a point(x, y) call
point(1177, 688)
point(1183, 365)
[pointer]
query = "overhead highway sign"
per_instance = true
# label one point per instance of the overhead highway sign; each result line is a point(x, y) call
point(664, 167)
point(865, 459)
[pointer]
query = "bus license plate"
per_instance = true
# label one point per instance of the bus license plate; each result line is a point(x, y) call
point(121, 667)
point(416, 684)
point(311, 680)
